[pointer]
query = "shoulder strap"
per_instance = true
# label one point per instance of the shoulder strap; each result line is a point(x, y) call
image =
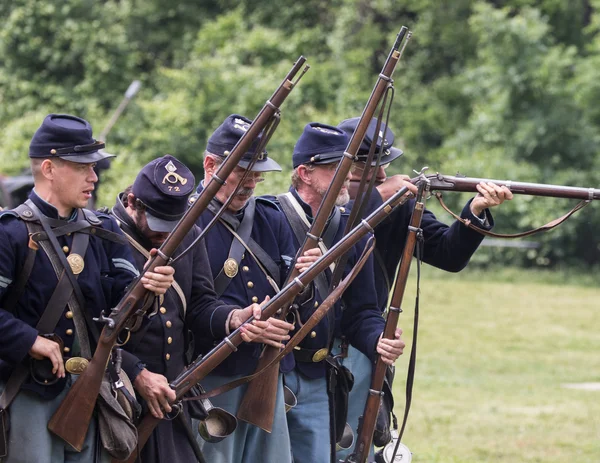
point(236, 251)
point(17, 291)
point(299, 223)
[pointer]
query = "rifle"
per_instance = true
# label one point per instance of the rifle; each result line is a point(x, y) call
point(444, 183)
point(71, 420)
point(467, 184)
point(258, 405)
point(367, 422)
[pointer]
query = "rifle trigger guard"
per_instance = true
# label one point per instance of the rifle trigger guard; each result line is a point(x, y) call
point(174, 413)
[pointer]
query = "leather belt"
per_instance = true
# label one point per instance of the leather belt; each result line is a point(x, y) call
point(310, 355)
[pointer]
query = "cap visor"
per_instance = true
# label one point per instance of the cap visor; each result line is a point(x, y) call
point(266, 165)
point(160, 225)
point(386, 159)
point(88, 158)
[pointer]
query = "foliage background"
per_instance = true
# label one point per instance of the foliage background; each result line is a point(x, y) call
point(499, 89)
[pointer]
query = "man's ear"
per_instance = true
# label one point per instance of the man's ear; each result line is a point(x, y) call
point(209, 165)
point(304, 174)
point(48, 169)
point(131, 200)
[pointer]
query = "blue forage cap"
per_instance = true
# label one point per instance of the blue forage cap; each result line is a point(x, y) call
point(320, 144)
point(385, 137)
point(163, 186)
point(222, 141)
point(66, 137)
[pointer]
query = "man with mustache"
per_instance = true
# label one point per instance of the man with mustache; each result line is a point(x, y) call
point(250, 251)
point(61, 266)
point(157, 351)
point(446, 247)
point(315, 158)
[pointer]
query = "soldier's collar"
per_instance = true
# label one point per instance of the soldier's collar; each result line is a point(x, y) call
point(127, 224)
point(48, 209)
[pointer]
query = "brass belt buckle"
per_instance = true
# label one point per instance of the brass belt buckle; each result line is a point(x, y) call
point(319, 355)
point(76, 365)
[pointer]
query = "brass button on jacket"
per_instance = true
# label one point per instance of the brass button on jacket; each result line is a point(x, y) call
point(168, 324)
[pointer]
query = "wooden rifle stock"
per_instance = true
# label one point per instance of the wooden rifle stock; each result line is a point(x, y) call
point(468, 184)
point(258, 405)
point(369, 417)
point(71, 419)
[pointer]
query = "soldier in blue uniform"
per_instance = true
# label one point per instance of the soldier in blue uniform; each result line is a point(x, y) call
point(246, 269)
point(446, 247)
point(45, 320)
point(156, 352)
point(315, 157)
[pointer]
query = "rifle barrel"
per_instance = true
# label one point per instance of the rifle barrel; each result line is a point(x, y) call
point(467, 184)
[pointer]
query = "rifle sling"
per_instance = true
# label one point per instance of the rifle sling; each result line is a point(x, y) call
point(549, 226)
point(314, 319)
point(410, 375)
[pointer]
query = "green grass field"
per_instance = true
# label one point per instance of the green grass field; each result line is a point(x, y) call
point(493, 358)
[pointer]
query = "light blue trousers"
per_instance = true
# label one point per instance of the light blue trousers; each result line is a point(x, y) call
point(29, 438)
point(308, 421)
point(248, 443)
point(360, 366)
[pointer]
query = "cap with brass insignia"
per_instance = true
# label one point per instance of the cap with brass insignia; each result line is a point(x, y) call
point(222, 141)
point(163, 187)
point(385, 140)
point(66, 137)
point(319, 144)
